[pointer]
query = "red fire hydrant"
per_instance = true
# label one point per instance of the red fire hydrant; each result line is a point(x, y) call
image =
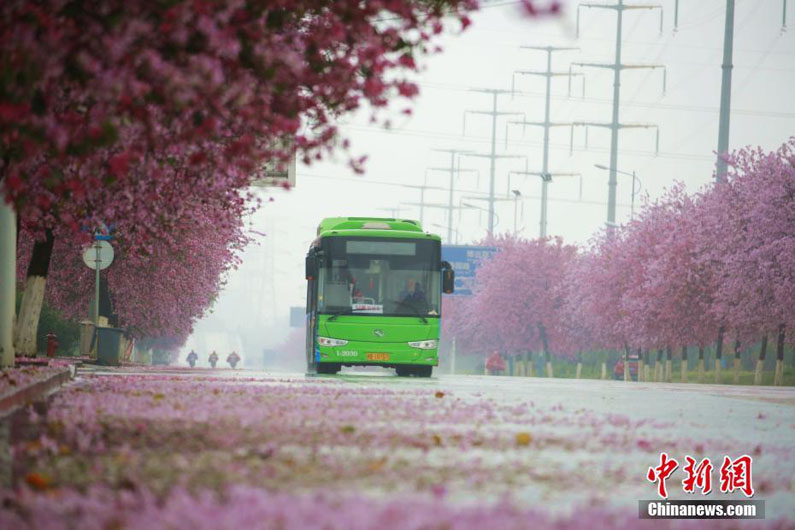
point(52, 344)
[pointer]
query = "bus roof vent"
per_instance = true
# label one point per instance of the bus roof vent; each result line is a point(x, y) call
point(375, 225)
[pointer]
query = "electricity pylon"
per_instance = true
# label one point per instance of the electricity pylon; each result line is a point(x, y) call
point(493, 156)
point(421, 204)
point(548, 74)
point(617, 66)
point(453, 170)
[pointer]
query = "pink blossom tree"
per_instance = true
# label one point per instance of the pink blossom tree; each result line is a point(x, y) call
point(671, 292)
point(574, 327)
point(159, 294)
point(519, 298)
point(752, 222)
point(120, 112)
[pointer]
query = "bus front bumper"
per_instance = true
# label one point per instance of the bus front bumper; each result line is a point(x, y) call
point(376, 354)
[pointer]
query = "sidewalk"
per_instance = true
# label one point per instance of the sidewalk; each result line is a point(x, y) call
point(28, 383)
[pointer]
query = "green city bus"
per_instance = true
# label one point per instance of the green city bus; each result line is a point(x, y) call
point(374, 296)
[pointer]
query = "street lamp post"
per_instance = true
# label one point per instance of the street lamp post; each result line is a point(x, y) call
point(496, 220)
point(516, 195)
point(634, 192)
point(449, 229)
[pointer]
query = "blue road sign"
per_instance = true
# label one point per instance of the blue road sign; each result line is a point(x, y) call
point(465, 261)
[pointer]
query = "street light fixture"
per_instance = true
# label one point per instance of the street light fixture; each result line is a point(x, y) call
point(496, 217)
point(634, 191)
point(445, 227)
point(516, 195)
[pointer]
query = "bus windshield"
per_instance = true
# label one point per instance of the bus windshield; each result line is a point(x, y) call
point(372, 276)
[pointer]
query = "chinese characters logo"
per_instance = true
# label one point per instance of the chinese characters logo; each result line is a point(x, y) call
point(734, 475)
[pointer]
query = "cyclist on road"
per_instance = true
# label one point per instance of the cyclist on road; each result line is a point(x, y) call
point(233, 359)
point(192, 358)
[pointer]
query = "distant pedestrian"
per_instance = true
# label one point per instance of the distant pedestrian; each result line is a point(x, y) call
point(495, 364)
point(192, 358)
point(213, 359)
point(233, 359)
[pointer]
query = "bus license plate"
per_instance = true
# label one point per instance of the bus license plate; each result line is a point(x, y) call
point(377, 356)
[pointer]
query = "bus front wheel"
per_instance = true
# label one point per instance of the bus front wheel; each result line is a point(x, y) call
point(416, 371)
point(328, 368)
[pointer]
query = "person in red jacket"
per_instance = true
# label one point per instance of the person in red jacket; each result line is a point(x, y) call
point(495, 363)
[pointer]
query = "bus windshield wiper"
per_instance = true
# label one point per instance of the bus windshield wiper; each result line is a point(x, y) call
point(416, 311)
point(346, 311)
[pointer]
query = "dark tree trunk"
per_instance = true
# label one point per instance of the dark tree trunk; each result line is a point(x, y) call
point(684, 364)
point(780, 343)
point(40, 258)
point(760, 362)
point(719, 354)
point(106, 303)
point(719, 344)
point(779, 374)
point(544, 342)
point(27, 324)
point(737, 358)
point(763, 348)
point(668, 361)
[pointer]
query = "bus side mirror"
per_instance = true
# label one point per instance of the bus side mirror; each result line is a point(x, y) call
point(310, 266)
point(448, 278)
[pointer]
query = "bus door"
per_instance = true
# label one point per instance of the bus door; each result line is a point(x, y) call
point(311, 309)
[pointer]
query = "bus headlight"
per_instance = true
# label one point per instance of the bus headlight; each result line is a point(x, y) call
point(425, 344)
point(325, 341)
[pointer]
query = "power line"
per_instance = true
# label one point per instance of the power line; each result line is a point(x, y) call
point(492, 156)
point(522, 143)
point(453, 170)
point(617, 67)
point(638, 104)
point(545, 175)
point(472, 192)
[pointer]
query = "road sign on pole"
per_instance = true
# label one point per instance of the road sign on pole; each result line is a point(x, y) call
point(277, 172)
point(100, 252)
point(98, 256)
point(465, 261)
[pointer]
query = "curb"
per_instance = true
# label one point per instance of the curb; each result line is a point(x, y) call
point(34, 392)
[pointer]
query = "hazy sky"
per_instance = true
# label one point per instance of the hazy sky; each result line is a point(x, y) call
point(252, 312)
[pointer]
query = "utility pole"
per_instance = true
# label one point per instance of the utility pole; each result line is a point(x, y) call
point(617, 67)
point(726, 90)
point(493, 156)
point(453, 170)
point(8, 278)
point(546, 124)
point(421, 204)
point(394, 211)
point(546, 178)
point(440, 206)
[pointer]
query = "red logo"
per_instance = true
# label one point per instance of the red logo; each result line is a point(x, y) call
point(734, 475)
point(698, 476)
point(660, 473)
